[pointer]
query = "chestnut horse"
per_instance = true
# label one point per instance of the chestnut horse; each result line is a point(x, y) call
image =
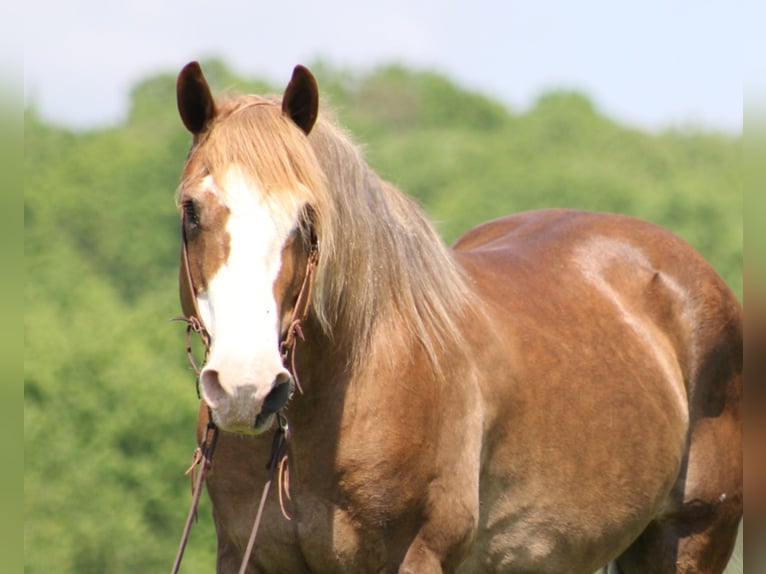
point(558, 391)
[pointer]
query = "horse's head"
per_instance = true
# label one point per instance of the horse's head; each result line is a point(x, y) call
point(246, 202)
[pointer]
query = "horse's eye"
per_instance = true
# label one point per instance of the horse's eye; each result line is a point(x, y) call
point(191, 215)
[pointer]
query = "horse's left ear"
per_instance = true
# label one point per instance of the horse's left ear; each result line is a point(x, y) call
point(301, 99)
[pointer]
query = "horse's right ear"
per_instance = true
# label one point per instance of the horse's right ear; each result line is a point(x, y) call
point(195, 102)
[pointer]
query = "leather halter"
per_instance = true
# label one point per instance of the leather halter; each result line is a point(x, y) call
point(192, 316)
point(203, 456)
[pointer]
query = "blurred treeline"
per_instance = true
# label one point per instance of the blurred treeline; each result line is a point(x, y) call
point(110, 405)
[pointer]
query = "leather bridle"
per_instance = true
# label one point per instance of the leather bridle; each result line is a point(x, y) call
point(203, 456)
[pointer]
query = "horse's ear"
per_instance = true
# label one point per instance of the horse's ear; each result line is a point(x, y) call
point(301, 99)
point(195, 102)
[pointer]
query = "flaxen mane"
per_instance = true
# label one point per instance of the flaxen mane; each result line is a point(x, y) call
point(366, 226)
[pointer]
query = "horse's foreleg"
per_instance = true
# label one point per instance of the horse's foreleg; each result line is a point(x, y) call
point(420, 560)
point(441, 544)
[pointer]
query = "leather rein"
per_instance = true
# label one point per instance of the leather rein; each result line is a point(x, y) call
point(203, 456)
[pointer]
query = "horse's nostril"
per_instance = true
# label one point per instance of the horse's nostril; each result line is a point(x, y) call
point(280, 393)
point(212, 391)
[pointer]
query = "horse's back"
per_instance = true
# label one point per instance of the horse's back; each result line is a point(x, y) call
point(614, 343)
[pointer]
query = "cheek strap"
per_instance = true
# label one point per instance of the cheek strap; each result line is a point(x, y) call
point(191, 315)
point(300, 312)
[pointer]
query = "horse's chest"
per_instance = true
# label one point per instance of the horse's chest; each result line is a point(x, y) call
point(350, 531)
point(361, 517)
point(357, 520)
point(332, 540)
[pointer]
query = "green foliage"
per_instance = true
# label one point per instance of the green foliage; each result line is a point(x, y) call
point(109, 400)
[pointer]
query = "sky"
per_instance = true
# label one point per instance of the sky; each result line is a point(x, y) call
point(652, 64)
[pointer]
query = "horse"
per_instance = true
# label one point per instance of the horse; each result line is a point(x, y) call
point(557, 391)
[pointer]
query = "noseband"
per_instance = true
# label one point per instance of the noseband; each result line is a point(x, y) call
point(203, 456)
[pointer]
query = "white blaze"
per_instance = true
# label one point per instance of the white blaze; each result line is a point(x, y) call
point(238, 306)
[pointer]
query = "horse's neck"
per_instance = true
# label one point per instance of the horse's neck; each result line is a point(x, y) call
point(369, 421)
point(316, 411)
point(321, 371)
